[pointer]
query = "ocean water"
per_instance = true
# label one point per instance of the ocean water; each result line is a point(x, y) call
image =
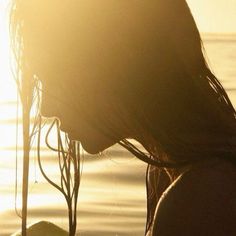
point(112, 198)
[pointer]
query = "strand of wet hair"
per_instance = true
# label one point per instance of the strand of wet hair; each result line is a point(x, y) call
point(16, 155)
point(217, 86)
point(148, 158)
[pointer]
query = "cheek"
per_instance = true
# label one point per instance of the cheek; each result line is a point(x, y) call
point(88, 117)
point(78, 126)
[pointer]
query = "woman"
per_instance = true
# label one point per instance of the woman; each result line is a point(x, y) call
point(112, 70)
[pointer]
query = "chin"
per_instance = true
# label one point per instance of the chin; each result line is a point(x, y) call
point(93, 144)
point(93, 149)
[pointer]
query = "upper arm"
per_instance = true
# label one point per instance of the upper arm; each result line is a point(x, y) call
point(197, 205)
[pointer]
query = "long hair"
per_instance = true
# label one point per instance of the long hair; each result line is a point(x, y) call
point(157, 72)
point(148, 56)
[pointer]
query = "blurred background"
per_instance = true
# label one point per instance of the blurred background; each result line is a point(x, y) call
point(112, 198)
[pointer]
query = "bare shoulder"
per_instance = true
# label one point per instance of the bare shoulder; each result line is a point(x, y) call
point(202, 201)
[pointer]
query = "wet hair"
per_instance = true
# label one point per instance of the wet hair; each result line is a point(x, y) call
point(157, 72)
point(147, 55)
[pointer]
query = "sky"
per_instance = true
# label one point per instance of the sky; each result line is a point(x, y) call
point(214, 16)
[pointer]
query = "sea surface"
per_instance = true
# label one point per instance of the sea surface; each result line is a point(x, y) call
point(112, 198)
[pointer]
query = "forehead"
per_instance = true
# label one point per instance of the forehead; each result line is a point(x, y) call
point(93, 33)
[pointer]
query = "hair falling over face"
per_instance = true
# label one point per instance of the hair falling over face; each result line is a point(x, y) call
point(113, 70)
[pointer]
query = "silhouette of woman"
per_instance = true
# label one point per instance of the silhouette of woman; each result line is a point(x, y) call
point(115, 69)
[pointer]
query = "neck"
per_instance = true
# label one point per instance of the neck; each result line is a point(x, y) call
point(155, 149)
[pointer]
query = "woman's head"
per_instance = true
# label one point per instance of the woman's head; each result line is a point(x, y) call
point(113, 69)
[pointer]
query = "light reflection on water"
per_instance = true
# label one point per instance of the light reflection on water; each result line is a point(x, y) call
point(111, 199)
point(112, 193)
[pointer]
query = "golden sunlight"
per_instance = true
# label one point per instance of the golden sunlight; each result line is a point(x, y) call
point(7, 84)
point(112, 192)
point(214, 16)
point(7, 112)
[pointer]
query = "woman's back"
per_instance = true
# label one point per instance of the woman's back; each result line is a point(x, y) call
point(202, 201)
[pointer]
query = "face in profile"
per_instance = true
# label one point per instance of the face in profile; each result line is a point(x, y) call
point(95, 121)
point(92, 63)
point(101, 63)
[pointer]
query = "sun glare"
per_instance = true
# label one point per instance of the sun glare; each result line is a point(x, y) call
point(7, 85)
point(7, 111)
